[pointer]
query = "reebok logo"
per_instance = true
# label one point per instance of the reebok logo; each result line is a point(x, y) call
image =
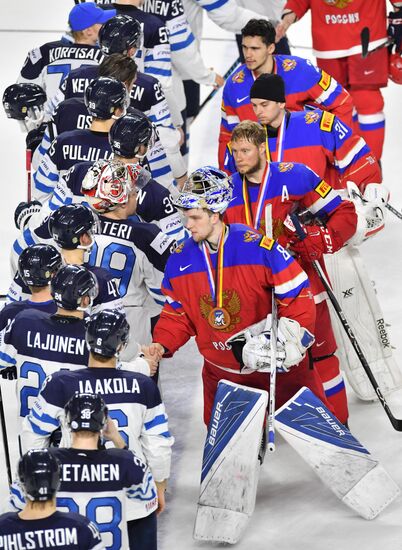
point(383, 333)
point(184, 267)
point(241, 99)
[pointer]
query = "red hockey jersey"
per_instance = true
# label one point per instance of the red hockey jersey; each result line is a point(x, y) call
point(253, 265)
point(325, 144)
point(336, 24)
point(304, 83)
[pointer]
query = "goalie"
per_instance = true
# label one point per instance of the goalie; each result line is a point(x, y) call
point(220, 283)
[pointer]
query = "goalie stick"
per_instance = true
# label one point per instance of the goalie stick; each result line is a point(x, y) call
point(394, 211)
point(396, 422)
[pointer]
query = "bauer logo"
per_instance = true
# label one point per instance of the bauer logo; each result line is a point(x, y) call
point(215, 424)
point(328, 418)
point(382, 333)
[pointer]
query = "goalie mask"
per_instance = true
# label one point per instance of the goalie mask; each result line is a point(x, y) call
point(208, 188)
point(109, 184)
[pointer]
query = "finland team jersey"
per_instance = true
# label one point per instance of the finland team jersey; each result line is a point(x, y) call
point(304, 83)
point(11, 310)
point(101, 485)
point(66, 150)
point(133, 401)
point(60, 530)
point(39, 344)
point(69, 115)
point(154, 202)
point(51, 63)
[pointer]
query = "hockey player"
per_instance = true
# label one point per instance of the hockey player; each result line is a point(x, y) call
point(49, 64)
point(220, 282)
point(25, 102)
point(106, 99)
point(304, 83)
point(293, 188)
point(37, 343)
point(125, 481)
point(37, 265)
point(315, 138)
point(134, 252)
point(39, 524)
point(337, 44)
point(133, 401)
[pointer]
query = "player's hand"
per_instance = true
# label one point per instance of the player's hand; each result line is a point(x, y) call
point(9, 373)
point(219, 81)
point(154, 351)
point(24, 212)
point(161, 488)
point(111, 433)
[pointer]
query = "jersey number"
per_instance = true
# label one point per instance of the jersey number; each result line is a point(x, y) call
point(110, 252)
point(112, 507)
point(30, 391)
point(64, 70)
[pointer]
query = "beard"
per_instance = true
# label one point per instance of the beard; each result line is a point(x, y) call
point(254, 168)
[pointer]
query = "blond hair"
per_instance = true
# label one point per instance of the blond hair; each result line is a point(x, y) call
point(249, 131)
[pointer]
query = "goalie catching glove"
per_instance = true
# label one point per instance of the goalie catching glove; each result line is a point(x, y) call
point(252, 346)
point(369, 209)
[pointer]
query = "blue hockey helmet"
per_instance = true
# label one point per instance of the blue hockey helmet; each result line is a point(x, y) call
point(39, 473)
point(107, 333)
point(70, 284)
point(86, 411)
point(68, 223)
point(38, 263)
point(208, 188)
point(131, 131)
point(104, 95)
point(20, 99)
point(119, 34)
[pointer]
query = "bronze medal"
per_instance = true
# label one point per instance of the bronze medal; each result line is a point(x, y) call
point(219, 318)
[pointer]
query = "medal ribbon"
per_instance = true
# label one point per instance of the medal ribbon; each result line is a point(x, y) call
point(216, 285)
point(254, 221)
point(280, 141)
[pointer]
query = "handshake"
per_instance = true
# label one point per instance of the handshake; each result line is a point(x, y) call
point(253, 349)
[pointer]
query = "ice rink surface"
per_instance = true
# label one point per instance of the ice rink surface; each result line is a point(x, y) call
point(294, 509)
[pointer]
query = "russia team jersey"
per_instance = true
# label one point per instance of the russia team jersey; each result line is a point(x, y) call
point(289, 188)
point(304, 84)
point(133, 401)
point(60, 530)
point(253, 265)
point(336, 25)
point(101, 485)
point(326, 145)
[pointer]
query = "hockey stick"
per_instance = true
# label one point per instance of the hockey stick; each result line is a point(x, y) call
point(28, 161)
point(273, 340)
point(396, 422)
point(394, 211)
point(5, 440)
point(212, 94)
point(365, 40)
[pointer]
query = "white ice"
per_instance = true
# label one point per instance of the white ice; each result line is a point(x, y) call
point(293, 508)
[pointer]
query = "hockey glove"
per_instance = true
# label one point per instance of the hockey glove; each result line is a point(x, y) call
point(395, 27)
point(317, 242)
point(24, 212)
point(9, 373)
point(34, 137)
point(370, 214)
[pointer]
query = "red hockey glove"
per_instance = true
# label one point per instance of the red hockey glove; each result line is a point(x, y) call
point(317, 243)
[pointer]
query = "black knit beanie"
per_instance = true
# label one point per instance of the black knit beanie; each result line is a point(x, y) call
point(269, 86)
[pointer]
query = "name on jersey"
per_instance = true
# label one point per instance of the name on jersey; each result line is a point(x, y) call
point(109, 385)
point(90, 472)
point(40, 538)
point(55, 342)
point(136, 93)
point(75, 152)
point(64, 52)
point(120, 230)
point(341, 18)
point(80, 85)
point(157, 7)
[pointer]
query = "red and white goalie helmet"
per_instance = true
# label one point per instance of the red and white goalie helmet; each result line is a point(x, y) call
point(395, 67)
point(109, 184)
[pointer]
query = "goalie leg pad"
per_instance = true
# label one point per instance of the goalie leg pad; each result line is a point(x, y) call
point(343, 464)
point(357, 298)
point(230, 464)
